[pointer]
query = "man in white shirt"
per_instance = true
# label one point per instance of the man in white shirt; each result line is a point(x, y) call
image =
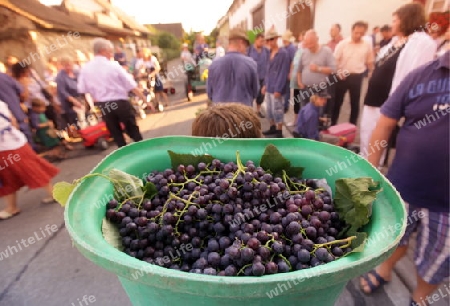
point(354, 56)
point(109, 85)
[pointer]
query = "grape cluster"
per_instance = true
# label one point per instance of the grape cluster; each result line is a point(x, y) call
point(230, 219)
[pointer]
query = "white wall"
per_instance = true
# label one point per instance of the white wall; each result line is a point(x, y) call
point(276, 14)
point(346, 12)
point(274, 11)
point(244, 12)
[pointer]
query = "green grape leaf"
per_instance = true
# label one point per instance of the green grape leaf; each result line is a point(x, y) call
point(295, 171)
point(359, 243)
point(61, 192)
point(188, 159)
point(126, 185)
point(150, 190)
point(111, 234)
point(353, 201)
point(274, 162)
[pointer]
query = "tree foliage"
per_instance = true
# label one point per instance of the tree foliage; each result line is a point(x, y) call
point(168, 41)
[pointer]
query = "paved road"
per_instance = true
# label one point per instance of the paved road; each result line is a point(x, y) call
point(52, 272)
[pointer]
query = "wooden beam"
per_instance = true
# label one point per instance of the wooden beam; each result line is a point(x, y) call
point(14, 34)
point(17, 10)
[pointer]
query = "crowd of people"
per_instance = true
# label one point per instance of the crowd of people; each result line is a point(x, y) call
point(35, 111)
point(406, 65)
point(336, 68)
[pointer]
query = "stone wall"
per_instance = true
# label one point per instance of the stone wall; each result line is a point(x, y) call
point(20, 37)
point(15, 39)
point(58, 44)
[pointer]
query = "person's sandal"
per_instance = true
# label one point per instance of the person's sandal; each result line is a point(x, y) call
point(373, 287)
point(4, 215)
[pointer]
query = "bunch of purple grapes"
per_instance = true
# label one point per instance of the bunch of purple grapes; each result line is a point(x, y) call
point(228, 219)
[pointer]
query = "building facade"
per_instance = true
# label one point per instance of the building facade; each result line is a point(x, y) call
point(301, 15)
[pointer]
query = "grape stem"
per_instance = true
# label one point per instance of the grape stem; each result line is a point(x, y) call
point(132, 198)
point(241, 168)
point(269, 241)
point(243, 268)
point(287, 261)
point(289, 183)
point(348, 240)
point(185, 209)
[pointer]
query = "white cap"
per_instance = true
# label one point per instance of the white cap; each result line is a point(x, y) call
point(185, 45)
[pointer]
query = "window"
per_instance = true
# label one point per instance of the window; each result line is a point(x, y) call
point(258, 19)
point(300, 18)
point(438, 6)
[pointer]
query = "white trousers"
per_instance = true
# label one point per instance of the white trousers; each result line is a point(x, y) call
point(369, 119)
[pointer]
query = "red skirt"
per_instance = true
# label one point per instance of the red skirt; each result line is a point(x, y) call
point(23, 167)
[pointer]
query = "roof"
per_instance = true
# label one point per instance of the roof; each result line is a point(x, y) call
point(127, 20)
point(48, 17)
point(223, 20)
point(173, 28)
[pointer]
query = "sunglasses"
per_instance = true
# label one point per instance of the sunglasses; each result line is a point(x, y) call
point(270, 39)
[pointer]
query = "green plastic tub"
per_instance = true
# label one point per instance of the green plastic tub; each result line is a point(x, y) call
point(149, 285)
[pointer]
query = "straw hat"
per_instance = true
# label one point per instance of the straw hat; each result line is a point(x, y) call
point(185, 45)
point(272, 34)
point(238, 33)
point(287, 35)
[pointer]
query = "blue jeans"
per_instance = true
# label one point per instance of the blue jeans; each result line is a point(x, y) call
point(275, 108)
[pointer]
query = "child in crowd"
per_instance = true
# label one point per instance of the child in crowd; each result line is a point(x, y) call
point(228, 120)
point(45, 130)
point(307, 125)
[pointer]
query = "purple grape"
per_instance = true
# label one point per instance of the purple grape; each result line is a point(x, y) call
point(278, 247)
point(321, 254)
point(293, 228)
point(231, 271)
point(275, 218)
point(311, 232)
point(309, 195)
point(214, 259)
point(254, 243)
point(283, 267)
point(324, 216)
point(271, 268)
point(247, 255)
point(306, 210)
point(258, 269)
point(303, 256)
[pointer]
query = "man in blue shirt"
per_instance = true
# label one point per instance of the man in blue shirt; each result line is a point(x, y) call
point(291, 49)
point(275, 84)
point(307, 125)
point(234, 77)
point(420, 172)
point(260, 55)
point(120, 57)
point(10, 93)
